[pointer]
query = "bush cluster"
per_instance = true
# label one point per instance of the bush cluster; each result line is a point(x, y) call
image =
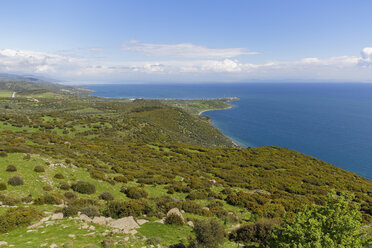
point(107, 196)
point(59, 176)
point(2, 186)
point(39, 168)
point(15, 181)
point(84, 187)
point(173, 219)
point(134, 192)
point(11, 168)
point(18, 217)
point(116, 209)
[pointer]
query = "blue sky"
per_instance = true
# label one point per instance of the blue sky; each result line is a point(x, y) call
point(188, 41)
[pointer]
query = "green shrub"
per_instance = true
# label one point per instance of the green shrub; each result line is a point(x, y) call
point(173, 219)
point(3, 154)
point(70, 195)
point(90, 211)
point(27, 199)
point(47, 188)
point(49, 199)
point(117, 209)
point(259, 232)
point(59, 176)
point(107, 196)
point(15, 181)
point(2, 186)
point(39, 168)
point(10, 201)
point(18, 217)
point(70, 211)
point(11, 168)
point(135, 192)
point(84, 187)
point(64, 186)
point(121, 179)
point(209, 233)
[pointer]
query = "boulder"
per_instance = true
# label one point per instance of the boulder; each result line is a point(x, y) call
point(190, 223)
point(57, 216)
point(176, 211)
point(3, 243)
point(124, 224)
point(84, 217)
point(99, 220)
point(142, 221)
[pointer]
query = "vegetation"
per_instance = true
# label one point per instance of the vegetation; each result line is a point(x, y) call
point(18, 217)
point(141, 158)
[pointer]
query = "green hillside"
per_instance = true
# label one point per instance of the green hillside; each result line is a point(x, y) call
point(111, 158)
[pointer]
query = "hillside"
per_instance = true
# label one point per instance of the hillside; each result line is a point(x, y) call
point(151, 156)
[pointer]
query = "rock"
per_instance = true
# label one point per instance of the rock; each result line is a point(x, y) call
point(162, 221)
point(72, 236)
point(85, 226)
point(142, 221)
point(124, 224)
point(126, 239)
point(3, 243)
point(57, 216)
point(53, 246)
point(45, 219)
point(36, 225)
point(99, 220)
point(176, 211)
point(42, 245)
point(190, 223)
point(84, 217)
point(133, 232)
point(92, 228)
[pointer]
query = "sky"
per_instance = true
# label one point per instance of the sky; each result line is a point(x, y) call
point(193, 41)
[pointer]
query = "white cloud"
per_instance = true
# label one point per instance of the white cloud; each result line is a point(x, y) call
point(366, 58)
point(184, 50)
point(65, 67)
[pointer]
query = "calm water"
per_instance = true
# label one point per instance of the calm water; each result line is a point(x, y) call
point(332, 122)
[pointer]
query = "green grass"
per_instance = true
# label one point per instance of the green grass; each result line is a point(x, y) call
point(4, 93)
point(167, 234)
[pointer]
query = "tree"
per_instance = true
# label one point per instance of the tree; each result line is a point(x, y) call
point(336, 224)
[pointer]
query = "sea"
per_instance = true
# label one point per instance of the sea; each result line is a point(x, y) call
point(329, 121)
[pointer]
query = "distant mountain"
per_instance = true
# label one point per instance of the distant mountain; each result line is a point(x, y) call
point(27, 78)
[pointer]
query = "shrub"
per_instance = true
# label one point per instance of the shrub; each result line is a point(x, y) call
point(70, 195)
point(27, 199)
point(64, 186)
point(90, 211)
point(259, 232)
point(209, 233)
point(11, 201)
point(107, 196)
point(18, 217)
point(84, 187)
point(11, 168)
point(47, 188)
point(3, 154)
point(59, 176)
point(174, 219)
point(49, 199)
point(2, 186)
point(117, 209)
point(121, 179)
point(134, 192)
point(39, 168)
point(15, 181)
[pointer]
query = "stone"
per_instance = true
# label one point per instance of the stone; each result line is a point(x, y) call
point(53, 246)
point(124, 224)
point(176, 211)
point(142, 221)
point(3, 243)
point(92, 228)
point(36, 225)
point(99, 220)
point(72, 236)
point(162, 221)
point(57, 216)
point(190, 223)
point(84, 217)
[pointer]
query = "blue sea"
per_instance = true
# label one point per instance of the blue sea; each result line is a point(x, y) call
point(330, 121)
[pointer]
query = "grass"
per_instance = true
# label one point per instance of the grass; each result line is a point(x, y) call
point(4, 93)
point(166, 234)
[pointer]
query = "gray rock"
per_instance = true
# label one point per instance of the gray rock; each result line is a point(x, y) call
point(176, 211)
point(3, 243)
point(57, 216)
point(124, 224)
point(142, 221)
point(99, 220)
